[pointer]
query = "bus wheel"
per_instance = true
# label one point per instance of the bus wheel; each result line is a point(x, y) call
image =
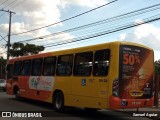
point(58, 102)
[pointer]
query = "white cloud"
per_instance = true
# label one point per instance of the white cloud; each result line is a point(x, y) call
point(33, 14)
point(63, 37)
point(87, 3)
point(38, 13)
point(18, 27)
point(122, 36)
point(59, 38)
point(139, 21)
point(3, 28)
point(146, 34)
point(49, 40)
point(44, 12)
point(2, 52)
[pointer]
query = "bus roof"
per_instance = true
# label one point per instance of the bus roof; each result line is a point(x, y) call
point(79, 49)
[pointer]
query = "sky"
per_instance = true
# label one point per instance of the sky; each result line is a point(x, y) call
point(33, 14)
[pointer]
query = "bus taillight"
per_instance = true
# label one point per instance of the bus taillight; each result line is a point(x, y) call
point(115, 89)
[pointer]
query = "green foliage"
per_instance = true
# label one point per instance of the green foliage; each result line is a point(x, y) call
point(157, 66)
point(2, 65)
point(19, 49)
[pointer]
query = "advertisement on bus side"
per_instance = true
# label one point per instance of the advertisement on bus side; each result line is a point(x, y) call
point(135, 72)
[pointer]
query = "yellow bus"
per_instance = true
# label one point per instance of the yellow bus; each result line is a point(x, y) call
point(112, 75)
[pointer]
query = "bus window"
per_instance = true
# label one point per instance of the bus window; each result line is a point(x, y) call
point(83, 64)
point(64, 65)
point(17, 68)
point(49, 66)
point(101, 62)
point(9, 71)
point(26, 68)
point(36, 67)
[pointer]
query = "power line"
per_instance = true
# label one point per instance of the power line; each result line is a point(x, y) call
point(9, 32)
point(17, 5)
point(14, 7)
point(3, 46)
point(116, 18)
point(148, 20)
point(67, 18)
point(95, 33)
point(3, 2)
point(9, 4)
point(3, 38)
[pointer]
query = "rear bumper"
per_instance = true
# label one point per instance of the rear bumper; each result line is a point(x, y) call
point(117, 103)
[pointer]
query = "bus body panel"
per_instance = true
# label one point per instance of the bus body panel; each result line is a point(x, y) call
point(88, 91)
point(114, 68)
point(136, 70)
point(91, 91)
point(39, 87)
point(9, 87)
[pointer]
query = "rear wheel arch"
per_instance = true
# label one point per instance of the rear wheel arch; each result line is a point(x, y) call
point(58, 101)
point(56, 91)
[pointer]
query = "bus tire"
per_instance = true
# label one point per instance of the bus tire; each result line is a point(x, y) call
point(58, 102)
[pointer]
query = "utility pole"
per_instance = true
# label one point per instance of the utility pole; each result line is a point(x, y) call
point(9, 32)
point(9, 36)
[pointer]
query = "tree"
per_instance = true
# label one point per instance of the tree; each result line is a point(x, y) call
point(19, 49)
point(157, 66)
point(2, 67)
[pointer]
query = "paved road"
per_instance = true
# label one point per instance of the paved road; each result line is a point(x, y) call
point(10, 104)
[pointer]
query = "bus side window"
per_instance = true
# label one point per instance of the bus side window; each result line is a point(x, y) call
point(83, 64)
point(9, 71)
point(64, 65)
point(17, 68)
point(36, 67)
point(26, 68)
point(49, 66)
point(101, 62)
